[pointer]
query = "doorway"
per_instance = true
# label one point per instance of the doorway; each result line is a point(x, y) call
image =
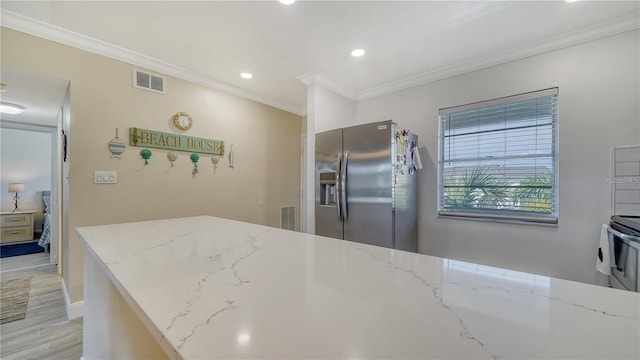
point(32, 157)
point(29, 158)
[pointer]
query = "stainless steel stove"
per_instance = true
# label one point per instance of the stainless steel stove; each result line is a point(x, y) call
point(624, 244)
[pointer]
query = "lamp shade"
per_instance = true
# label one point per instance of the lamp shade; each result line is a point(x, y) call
point(16, 187)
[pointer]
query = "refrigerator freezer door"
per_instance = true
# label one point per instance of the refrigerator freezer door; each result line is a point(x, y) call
point(328, 158)
point(368, 178)
point(405, 209)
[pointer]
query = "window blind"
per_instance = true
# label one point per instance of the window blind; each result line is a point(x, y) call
point(498, 158)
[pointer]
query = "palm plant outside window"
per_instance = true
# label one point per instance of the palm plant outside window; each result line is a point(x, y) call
point(498, 159)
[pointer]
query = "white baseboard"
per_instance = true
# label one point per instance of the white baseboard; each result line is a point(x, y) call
point(75, 310)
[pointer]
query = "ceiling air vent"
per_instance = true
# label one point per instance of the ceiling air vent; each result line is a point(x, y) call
point(288, 218)
point(148, 81)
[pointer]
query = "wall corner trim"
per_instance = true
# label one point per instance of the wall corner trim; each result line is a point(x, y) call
point(74, 310)
point(318, 78)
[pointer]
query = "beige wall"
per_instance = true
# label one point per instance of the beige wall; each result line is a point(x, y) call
point(266, 147)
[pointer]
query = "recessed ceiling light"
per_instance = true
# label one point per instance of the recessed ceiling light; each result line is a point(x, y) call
point(357, 52)
point(9, 108)
point(246, 75)
point(570, 1)
point(244, 338)
point(287, 2)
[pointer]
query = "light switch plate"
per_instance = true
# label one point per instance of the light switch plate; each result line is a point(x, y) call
point(105, 177)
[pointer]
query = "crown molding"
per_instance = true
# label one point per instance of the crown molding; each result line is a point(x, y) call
point(609, 28)
point(318, 78)
point(27, 126)
point(51, 32)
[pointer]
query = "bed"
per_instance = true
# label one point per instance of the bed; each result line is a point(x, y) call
point(46, 231)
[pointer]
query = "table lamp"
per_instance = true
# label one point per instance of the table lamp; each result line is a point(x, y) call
point(16, 188)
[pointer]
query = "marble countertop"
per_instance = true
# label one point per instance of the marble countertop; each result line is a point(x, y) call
point(211, 288)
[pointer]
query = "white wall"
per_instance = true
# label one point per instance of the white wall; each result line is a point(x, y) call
point(598, 108)
point(333, 111)
point(25, 158)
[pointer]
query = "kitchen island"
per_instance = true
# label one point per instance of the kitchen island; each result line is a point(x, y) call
point(212, 288)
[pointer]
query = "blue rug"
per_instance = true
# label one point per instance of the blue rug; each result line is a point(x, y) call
point(20, 249)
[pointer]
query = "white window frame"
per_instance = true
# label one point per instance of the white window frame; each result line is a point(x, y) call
point(544, 219)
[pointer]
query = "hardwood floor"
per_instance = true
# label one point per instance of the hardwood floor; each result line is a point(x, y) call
point(24, 261)
point(45, 332)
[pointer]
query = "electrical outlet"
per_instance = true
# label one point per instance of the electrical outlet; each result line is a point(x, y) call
point(105, 177)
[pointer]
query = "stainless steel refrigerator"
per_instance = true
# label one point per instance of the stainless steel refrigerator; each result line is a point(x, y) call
point(366, 185)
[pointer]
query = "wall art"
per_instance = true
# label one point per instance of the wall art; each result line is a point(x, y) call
point(215, 161)
point(116, 147)
point(172, 158)
point(146, 155)
point(175, 142)
point(194, 159)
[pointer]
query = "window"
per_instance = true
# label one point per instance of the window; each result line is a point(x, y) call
point(498, 159)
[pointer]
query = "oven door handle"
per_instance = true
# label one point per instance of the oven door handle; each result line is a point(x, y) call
point(623, 235)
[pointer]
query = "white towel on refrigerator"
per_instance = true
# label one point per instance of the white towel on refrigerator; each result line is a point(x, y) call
point(603, 259)
point(415, 158)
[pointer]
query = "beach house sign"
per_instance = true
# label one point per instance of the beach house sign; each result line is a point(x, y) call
point(177, 142)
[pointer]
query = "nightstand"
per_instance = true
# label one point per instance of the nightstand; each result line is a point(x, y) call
point(16, 227)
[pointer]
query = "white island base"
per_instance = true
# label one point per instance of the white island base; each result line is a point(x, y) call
point(211, 288)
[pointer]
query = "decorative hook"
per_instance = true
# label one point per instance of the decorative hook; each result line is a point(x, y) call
point(146, 154)
point(172, 157)
point(215, 160)
point(231, 157)
point(194, 158)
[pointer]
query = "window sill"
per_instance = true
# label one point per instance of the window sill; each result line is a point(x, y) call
point(522, 220)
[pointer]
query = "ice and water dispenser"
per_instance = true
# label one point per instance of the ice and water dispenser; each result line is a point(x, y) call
point(328, 188)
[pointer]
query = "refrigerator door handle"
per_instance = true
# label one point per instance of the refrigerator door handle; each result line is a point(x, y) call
point(337, 190)
point(343, 186)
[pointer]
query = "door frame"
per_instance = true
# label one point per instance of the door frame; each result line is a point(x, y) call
point(303, 181)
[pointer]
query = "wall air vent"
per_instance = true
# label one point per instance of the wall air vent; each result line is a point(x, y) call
point(148, 81)
point(288, 218)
